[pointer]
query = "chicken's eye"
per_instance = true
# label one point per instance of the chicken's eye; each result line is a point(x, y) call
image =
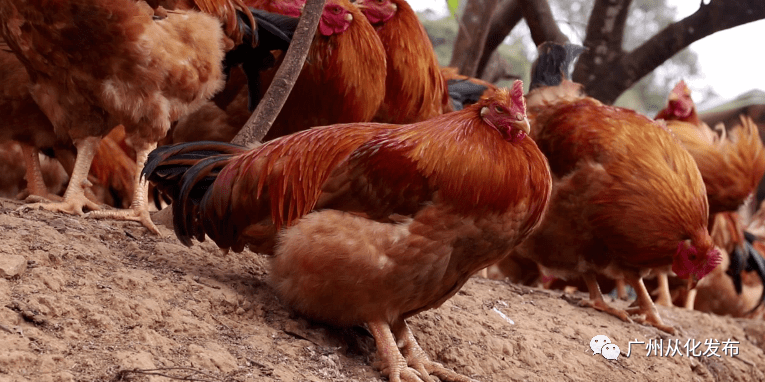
point(336, 11)
point(498, 109)
point(692, 257)
point(380, 1)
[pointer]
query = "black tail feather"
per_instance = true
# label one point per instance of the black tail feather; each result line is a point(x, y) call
point(167, 164)
point(272, 32)
point(553, 63)
point(746, 258)
point(194, 185)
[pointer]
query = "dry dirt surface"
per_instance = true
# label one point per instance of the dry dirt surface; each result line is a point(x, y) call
point(107, 301)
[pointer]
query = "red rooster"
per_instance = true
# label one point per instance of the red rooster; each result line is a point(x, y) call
point(627, 198)
point(413, 211)
point(414, 88)
point(343, 79)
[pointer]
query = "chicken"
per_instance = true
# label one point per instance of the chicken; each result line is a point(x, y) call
point(343, 78)
point(680, 106)
point(627, 198)
point(26, 124)
point(409, 212)
point(94, 64)
point(112, 172)
point(13, 168)
point(735, 288)
point(731, 164)
point(414, 88)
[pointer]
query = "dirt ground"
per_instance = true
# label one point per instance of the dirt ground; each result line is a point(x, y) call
point(107, 301)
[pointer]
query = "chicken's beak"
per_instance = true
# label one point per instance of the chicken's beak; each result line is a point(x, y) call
point(523, 125)
point(360, 4)
point(348, 17)
point(673, 97)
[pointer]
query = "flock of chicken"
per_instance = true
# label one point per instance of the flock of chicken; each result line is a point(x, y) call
point(402, 193)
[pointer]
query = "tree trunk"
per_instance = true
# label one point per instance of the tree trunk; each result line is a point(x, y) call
point(541, 22)
point(471, 37)
point(507, 15)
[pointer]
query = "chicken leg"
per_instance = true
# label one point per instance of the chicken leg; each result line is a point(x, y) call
point(596, 299)
point(74, 197)
point(418, 360)
point(646, 306)
point(621, 290)
point(664, 298)
point(414, 365)
point(36, 188)
point(139, 208)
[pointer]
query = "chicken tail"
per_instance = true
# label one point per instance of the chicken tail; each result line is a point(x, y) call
point(272, 32)
point(553, 64)
point(754, 262)
point(167, 165)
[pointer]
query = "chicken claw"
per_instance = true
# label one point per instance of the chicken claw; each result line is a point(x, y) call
point(74, 197)
point(139, 208)
point(646, 306)
point(391, 363)
point(417, 359)
point(596, 300)
point(71, 205)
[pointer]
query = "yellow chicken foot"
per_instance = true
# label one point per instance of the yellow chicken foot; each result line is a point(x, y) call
point(664, 298)
point(418, 360)
point(139, 208)
point(596, 299)
point(390, 361)
point(36, 188)
point(690, 297)
point(646, 306)
point(74, 197)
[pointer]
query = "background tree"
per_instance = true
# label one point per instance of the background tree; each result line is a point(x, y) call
point(617, 34)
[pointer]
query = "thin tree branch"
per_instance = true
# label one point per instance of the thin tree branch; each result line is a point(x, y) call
point(541, 22)
point(268, 109)
point(468, 46)
point(507, 15)
point(607, 81)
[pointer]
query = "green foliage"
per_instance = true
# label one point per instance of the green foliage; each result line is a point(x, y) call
point(453, 6)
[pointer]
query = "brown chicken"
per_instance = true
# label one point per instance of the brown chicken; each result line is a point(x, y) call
point(627, 198)
point(343, 79)
point(414, 88)
point(409, 212)
point(133, 69)
point(731, 164)
point(25, 123)
point(735, 287)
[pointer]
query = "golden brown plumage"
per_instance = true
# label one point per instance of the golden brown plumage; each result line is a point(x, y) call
point(95, 64)
point(408, 212)
point(627, 198)
point(731, 162)
point(414, 88)
point(343, 79)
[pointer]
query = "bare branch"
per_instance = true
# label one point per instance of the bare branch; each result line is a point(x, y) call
point(469, 45)
point(507, 15)
point(541, 22)
point(269, 107)
point(607, 80)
